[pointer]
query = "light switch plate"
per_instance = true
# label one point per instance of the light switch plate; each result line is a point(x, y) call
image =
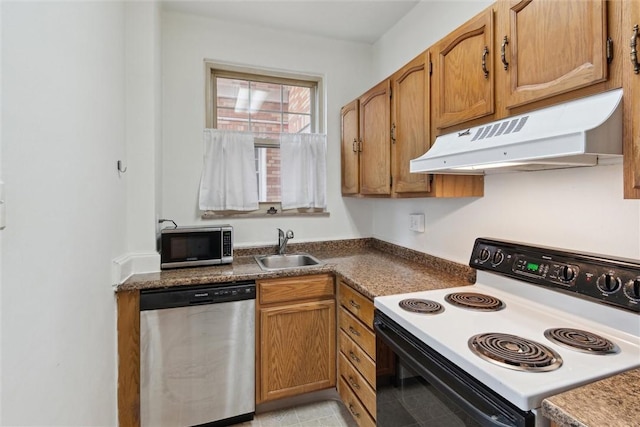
point(416, 222)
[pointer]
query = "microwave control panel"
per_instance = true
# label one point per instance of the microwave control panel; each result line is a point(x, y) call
point(227, 243)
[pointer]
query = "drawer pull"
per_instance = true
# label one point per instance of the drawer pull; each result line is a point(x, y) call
point(354, 384)
point(353, 357)
point(352, 409)
point(353, 331)
point(354, 304)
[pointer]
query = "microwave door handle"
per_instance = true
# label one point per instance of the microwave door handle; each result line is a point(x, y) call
point(485, 419)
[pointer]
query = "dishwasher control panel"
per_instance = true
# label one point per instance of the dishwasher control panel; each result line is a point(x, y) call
point(185, 296)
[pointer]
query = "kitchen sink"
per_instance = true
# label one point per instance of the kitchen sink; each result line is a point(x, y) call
point(280, 262)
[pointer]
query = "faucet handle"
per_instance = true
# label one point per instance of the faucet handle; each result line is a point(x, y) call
point(289, 234)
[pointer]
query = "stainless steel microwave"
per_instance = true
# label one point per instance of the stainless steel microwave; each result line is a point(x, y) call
point(196, 246)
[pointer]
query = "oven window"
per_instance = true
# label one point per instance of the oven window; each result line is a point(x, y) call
point(406, 399)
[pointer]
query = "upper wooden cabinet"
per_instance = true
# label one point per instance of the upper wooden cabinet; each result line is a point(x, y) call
point(551, 47)
point(410, 123)
point(463, 75)
point(350, 146)
point(631, 84)
point(375, 140)
point(387, 127)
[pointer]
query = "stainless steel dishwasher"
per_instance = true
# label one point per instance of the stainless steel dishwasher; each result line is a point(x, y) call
point(197, 355)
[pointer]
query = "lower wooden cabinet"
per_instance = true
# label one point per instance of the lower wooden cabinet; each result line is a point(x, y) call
point(361, 356)
point(296, 336)
point(351, 401)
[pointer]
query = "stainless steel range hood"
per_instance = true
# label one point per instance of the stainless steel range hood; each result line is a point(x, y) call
point(576, 133)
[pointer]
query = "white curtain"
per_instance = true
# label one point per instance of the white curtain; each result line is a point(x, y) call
point(303, 170)
point(229, 172)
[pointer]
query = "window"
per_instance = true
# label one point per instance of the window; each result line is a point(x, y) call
point(266, 105)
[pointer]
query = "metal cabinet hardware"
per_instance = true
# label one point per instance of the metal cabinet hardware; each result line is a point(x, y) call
point(353, 331)
point(354, 304)
point(352, 409)
point(634, 50)
point(485, 52)
point(503, 52)
point(353, 357)
point(354, 384)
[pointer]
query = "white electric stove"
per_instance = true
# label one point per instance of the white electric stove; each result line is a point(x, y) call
point(566, 319)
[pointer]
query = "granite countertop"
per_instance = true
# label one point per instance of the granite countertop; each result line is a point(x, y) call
point(370, 266)
point(377, 268)
point(611, 402)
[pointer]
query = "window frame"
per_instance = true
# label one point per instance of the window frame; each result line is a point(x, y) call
point(214, 69)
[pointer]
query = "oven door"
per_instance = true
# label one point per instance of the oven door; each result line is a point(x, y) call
point(427, 389)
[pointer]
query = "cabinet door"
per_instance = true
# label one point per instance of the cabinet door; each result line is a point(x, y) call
point(631, 78)
point(350, 148)
point(375, 163)
point(553, 47)
point(298, 349)
point(463, 87)
point(410, 123)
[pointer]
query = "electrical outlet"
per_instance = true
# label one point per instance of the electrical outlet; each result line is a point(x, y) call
point(416, 222)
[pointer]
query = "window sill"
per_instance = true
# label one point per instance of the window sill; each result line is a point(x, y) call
point(263, 214)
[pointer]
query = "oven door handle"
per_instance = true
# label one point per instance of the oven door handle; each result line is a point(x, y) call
point(416, 359)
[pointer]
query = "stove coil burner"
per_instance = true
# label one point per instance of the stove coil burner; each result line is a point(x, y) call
point(514, 352)
point(421, 306)
point(583, 341)
point(475, 301)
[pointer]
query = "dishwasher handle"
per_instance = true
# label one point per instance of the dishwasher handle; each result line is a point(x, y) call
point(185, 296)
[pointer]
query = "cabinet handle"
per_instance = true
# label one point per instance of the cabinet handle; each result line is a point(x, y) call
point(354, 384)
point(634, 50)
point(355, 145)
point(393, 133)
point(353, 357)
point(485, 52)
point(354, 304)
point(352, 409)
point(360, 145)
point(503, 53)
point(353, 331)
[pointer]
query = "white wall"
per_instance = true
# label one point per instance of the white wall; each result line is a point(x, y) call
point(579, 209)
point(62, 132)
point(143, 104)
point(187, 41)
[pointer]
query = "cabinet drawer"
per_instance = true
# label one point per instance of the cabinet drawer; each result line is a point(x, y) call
point(358, 358)
point(359, 386)
point(360, 334)
point(360, 415)
point(295, 288)
point(357, 304)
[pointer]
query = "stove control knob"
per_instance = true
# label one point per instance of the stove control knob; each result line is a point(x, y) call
point(484, 255)
point(498, 257)
point(567, 273)
point(632, 289)
point(609, 283)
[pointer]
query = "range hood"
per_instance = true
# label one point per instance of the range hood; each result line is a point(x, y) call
point(576, 133)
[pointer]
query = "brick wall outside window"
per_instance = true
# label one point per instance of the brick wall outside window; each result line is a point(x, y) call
point(287, 112)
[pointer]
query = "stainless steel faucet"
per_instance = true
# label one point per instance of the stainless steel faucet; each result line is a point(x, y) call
point(283, 239)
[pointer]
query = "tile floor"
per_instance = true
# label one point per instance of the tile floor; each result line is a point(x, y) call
point(328, 413)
